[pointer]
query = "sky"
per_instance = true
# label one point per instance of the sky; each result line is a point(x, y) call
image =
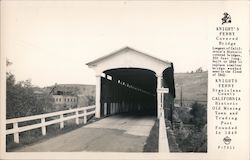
point(51, 41)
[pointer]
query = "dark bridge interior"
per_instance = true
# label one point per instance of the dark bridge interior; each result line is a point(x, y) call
point(128, 90)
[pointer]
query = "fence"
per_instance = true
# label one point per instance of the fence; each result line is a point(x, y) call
point(74, 114)
point(163, 140)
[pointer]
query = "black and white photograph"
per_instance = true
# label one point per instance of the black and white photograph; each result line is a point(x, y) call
point(109, 77)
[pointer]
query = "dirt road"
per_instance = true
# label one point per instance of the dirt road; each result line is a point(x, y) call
point(118, 133)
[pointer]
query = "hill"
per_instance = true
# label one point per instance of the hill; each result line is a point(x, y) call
point(194, 86)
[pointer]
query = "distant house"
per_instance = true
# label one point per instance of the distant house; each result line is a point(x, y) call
point(66, 100)
point(63, 99)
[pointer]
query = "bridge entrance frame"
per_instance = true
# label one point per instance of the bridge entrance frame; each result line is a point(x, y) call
point(129, 58)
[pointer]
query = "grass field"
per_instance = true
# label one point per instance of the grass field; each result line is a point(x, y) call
point(194, 86)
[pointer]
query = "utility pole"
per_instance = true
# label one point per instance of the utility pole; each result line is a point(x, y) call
point(181, 98)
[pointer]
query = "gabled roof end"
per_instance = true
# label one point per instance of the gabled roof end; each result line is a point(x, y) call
point(93, 63)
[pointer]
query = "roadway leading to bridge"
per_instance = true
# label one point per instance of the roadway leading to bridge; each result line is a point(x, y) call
point(117, 133)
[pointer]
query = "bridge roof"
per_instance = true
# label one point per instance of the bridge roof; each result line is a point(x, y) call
point(121, 51)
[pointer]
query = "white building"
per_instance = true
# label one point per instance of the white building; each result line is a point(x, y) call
point(68, 101)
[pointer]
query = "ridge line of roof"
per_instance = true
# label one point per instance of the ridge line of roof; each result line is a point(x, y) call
point(121, 49)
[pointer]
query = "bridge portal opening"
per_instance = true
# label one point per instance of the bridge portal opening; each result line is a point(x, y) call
point(128, 90)
point(132, 81)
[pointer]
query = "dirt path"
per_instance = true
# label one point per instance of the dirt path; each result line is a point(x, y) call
point(112, 134)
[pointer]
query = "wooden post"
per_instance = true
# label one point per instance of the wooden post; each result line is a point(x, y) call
point(77, 118)
point(16, 134)
point(43, 126)
point(85, 116)
point(159, 85)
point(105, 109)
point(62, 122)
point(116, 108)
point(111, 108)
point(98, 97)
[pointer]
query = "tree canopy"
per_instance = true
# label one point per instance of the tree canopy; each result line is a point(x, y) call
point(199, 115)
point(21, 99)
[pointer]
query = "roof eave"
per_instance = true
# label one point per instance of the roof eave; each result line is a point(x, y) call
point(93, 63)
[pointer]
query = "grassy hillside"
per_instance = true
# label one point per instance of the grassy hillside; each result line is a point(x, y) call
point(194, 86)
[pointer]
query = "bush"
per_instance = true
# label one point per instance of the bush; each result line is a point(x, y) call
point(184, 114)
point(192, 135)
point(199, 115)
point(190, 140)
point(21, 99)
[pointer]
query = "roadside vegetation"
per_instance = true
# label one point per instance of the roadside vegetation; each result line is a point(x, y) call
point(191, 135)
point(188, 132)
point(24, 99)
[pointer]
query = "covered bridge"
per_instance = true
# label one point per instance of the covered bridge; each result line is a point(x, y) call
point(131, 81)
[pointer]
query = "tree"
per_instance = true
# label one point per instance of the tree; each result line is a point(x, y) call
point(199, 115)
point(184, 114)
point(199, 70)
point(21, 99)
point(91, 100)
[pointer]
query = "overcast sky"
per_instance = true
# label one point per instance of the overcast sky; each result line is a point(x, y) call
point(51, 41)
